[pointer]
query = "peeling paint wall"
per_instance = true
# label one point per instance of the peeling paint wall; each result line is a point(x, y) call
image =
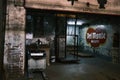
point(103, 49)
point(14, 48)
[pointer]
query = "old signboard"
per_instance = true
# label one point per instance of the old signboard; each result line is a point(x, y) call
point(96, 36)
point(89, 6)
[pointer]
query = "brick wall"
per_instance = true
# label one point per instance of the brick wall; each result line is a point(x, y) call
point(14, 47)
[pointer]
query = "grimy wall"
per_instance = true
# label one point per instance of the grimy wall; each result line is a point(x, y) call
point(14, 46)
point(15, 19)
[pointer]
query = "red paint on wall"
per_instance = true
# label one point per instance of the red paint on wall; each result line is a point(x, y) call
point(96, 37)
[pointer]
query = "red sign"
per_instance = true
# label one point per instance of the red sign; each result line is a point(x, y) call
point(96, 37)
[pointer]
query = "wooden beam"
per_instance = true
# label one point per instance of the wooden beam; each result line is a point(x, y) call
point(111, 7)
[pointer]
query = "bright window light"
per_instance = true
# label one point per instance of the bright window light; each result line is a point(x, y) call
point(29, 36)
point(72, 22)
point(36, 54)
point(80, 22)
point(101, 26)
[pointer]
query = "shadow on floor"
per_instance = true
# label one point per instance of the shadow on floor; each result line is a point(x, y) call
point(86, 69)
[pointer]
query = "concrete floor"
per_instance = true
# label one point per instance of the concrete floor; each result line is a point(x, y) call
point(86, 69)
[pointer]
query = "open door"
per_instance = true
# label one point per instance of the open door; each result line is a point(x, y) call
point(60, 38)
point(72, 47)
point(66, 39)
point(72, 39)
point(61, 41)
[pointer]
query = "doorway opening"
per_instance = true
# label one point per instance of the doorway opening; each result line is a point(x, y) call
point(57, 31)
point(67, 38)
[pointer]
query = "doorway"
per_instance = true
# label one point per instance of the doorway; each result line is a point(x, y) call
point(57, 30)
point(67, 38)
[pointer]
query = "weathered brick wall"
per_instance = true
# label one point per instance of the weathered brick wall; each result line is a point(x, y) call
point(14, 48)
